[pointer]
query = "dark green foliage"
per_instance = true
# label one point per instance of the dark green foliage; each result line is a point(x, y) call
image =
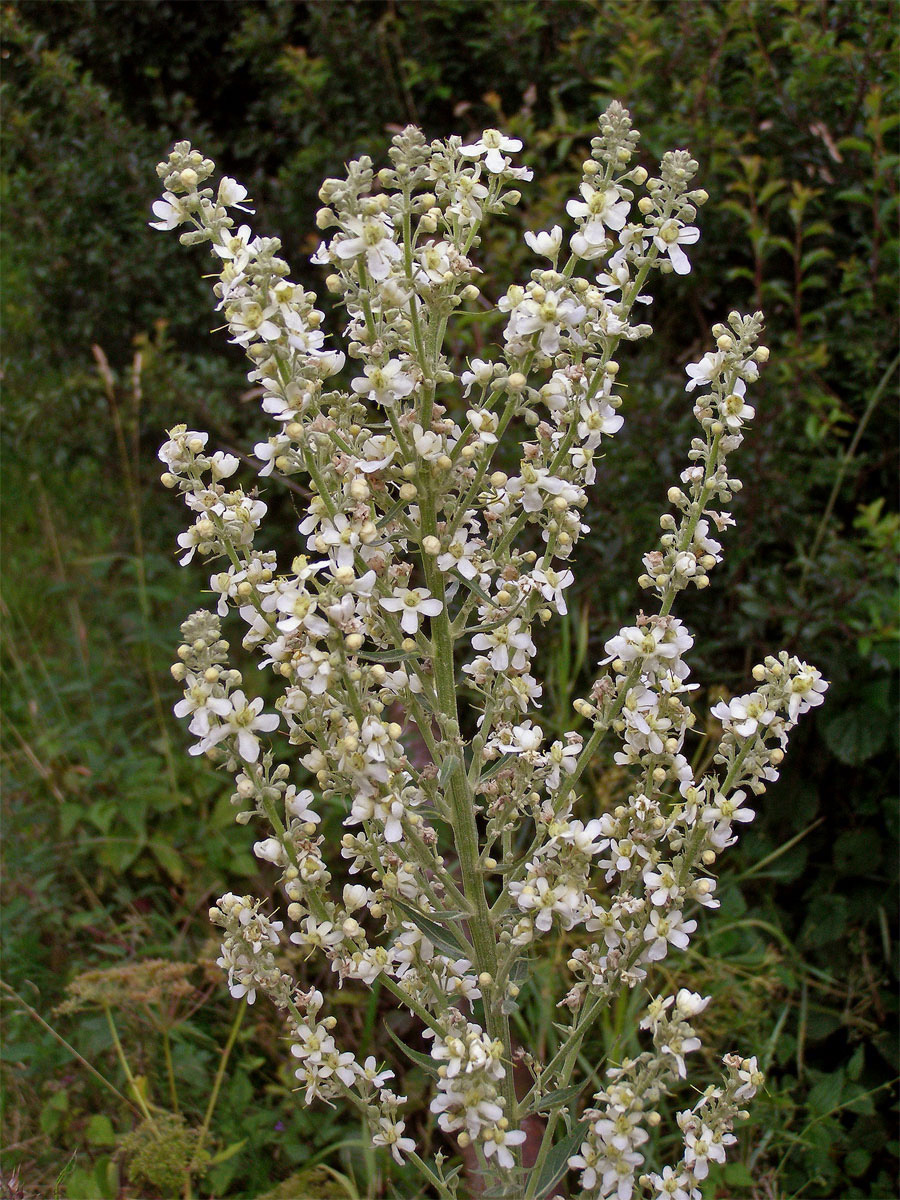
point(119, 840)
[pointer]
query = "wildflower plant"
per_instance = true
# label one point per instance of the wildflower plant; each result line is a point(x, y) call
point(410, 611)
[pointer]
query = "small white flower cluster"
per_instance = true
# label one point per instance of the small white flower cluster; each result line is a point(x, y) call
point(247, 954)
point(219, 710)
point(422, 577)
point(470, 1081)
point(609, 1157)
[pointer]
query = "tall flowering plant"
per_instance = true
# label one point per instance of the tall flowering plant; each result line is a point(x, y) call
point(409, 613)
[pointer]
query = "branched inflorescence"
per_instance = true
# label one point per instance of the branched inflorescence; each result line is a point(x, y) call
point(410, 609)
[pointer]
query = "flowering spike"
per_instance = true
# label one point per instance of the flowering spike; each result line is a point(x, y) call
point(406, 621)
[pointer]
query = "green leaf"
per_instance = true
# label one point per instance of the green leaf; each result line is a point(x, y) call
point(169, 859)
point(473, 587)
point(449, 767)
point(52, 1112)
point(228, 1152)
point(855, 1065)
point(557, 1160)
point(69, 816)
point(854, 735)
point(421, 1060)
point(386, 656)
point(520, 969)
point(825, 1096)
point(857, 1161)
point(444, 940)
point(387, 517)
point(555, 1099)
point(99, 1131)
point(737, 1174)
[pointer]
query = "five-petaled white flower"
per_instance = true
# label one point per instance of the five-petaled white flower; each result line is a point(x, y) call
point(245, 720)
point(372, 237)
point(491, 146)
point(671, 237)
point(413, 604)
point(384, 384)
point(390, 1134)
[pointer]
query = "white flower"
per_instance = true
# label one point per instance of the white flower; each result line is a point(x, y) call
point(807, 691)
point(670, 1186)
point(751, 1079)
point(511, 636)
point(369, 1071)
point(436, 262)
point(389, 1134)
point(231, 193)
point(268, 451)
point(271, 850)
point(546, 244)
point(733, 409)
point(429, 445)
point(700, 1148)
point(551, 316)
point(690, 1004)
point(702, 373)
point(601, 210)
point(482, 372)
point(298, 805)
point(661, 931)
point(249, 320)
point(171, 210)
point(244, 720)
point(597, 421)
point(198, 703)
point(459, 554)
point(485, 425)
point(491, 145)
point(585, 1162)
point(385, 384)
point(319, 934)
point(223, 465)
point(662, 886)
point(671, 237)
point(496, 1140)
point(414, 604)
point(373, 237)
point(605, 208)
point(744, 714)
point(235, 246)
point(722, 811)
point(521, 739)
point(551, 584)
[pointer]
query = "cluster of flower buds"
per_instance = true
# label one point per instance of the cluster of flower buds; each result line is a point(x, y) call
point(402, 639)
